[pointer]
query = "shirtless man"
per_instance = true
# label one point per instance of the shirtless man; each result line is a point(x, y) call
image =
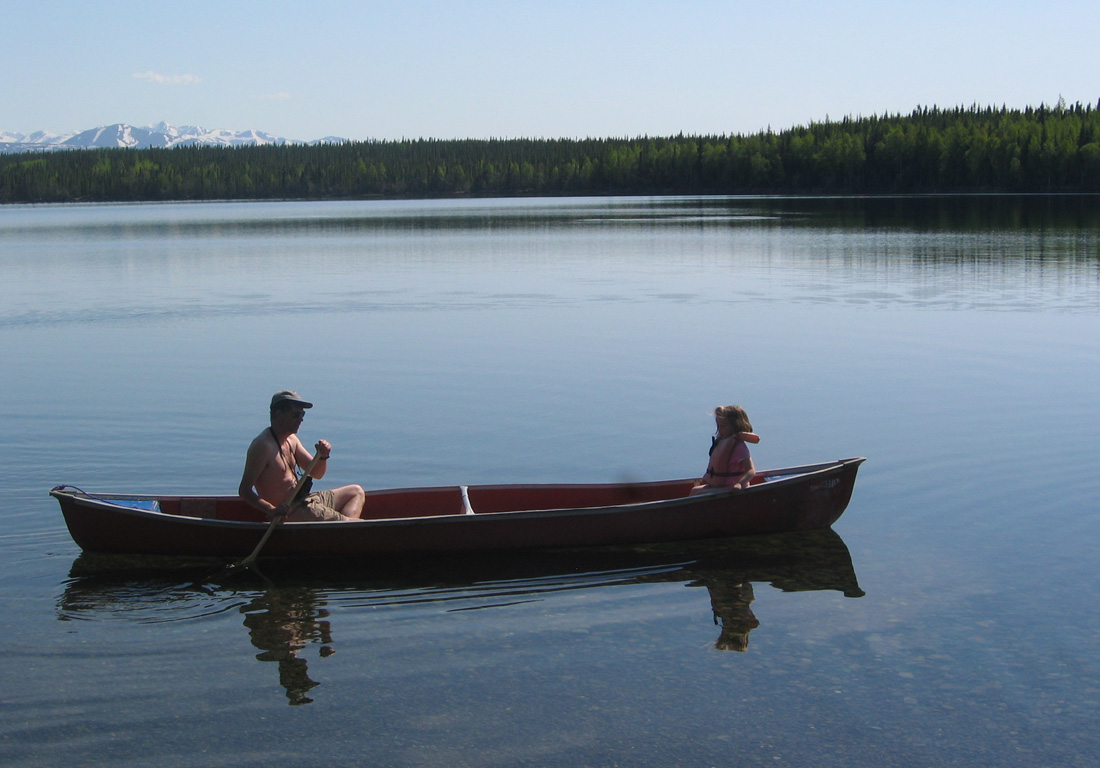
point(269, 474)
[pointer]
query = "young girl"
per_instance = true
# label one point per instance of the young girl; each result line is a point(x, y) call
point(730, 465)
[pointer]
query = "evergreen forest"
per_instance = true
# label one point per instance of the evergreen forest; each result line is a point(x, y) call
point(931, 150)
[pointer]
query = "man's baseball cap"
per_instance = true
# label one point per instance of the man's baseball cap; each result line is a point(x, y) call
point(288, 396)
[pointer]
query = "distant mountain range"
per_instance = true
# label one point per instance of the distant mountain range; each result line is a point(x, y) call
point(159, 135)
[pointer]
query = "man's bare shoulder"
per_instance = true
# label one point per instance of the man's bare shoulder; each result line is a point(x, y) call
point(263, 443)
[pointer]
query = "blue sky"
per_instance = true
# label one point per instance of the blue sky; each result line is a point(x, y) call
point(530, 69)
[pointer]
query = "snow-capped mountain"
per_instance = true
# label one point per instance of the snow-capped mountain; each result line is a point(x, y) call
point(159, 135)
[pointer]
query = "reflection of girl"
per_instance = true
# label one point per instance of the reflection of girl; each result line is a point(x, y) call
point(730, 465)
point(730, 603)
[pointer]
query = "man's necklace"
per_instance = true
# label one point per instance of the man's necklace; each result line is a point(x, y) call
point(288, 462)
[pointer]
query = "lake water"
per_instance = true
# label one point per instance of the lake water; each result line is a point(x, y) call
point(949, 618)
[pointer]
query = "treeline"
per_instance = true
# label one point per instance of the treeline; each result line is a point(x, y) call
point(1043, 149)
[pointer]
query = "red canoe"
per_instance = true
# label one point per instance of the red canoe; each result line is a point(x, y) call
point(457, 519)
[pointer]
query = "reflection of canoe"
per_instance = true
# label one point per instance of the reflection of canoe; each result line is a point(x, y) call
point(290, 621)
point(143, 585)
point(461, 519)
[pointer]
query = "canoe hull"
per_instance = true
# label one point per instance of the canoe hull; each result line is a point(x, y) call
point(433, 520)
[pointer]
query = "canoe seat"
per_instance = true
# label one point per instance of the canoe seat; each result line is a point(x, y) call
point(211, 508)
point(204, 508)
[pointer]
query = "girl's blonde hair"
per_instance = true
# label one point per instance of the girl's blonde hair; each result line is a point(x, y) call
point(735, 416)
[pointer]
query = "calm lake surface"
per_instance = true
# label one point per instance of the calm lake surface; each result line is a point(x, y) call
point(949, 619)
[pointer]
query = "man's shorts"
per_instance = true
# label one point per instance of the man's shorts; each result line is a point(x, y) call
point(320, 505)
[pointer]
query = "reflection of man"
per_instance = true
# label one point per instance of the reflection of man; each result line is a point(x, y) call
point(281, 623)
point(270, 470)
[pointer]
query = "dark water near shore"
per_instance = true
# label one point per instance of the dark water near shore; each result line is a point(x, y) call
point(949, 618)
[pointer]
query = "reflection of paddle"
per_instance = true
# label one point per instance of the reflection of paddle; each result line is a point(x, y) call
point(305, 478)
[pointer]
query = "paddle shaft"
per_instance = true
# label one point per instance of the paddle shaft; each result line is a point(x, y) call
point(278, 518)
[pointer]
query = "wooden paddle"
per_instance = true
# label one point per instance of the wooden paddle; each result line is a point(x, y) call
point(248, 561)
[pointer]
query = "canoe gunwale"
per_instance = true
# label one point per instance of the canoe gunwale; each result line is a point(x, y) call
point(786, 475)
point(797, 498)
